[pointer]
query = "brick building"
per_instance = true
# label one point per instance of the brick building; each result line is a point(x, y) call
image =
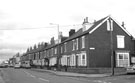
point(89, 47)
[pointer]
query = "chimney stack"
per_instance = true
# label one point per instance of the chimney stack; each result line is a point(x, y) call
point(71, 32)
point(123, 24)
point(52, 41)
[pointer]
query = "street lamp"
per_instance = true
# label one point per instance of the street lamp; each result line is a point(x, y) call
point(58, 57)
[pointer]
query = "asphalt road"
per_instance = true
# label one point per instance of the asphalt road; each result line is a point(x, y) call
point(11, 75)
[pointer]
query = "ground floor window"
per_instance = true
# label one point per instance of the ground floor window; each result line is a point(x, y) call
point(74, 60)
point(83, 57)
point(64, 60)
point(122, 59)
point(78, 59)
point(42, 62)
point(52, 61)
point(133, 60)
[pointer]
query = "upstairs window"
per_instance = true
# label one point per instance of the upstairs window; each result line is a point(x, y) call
point(52, 51)
point(61, 49)
point(110, 25)
point(55, 51)
point(83, 41)
point(120, 41)
point(65, 47)
point(77, 44)
point(73, 44)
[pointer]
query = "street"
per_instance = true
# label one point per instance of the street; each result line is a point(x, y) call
point(11, 75)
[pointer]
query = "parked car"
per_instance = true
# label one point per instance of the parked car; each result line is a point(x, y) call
point(131, 69)
point(17, 66)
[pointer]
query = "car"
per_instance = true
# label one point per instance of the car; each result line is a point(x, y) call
point(131, 69)
point(27, 66)
point(17, 66)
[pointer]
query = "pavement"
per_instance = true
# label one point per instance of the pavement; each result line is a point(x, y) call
point(61, 73)
point(1, 79)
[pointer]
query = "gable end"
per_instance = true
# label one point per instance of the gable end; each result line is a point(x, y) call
point(105, 21)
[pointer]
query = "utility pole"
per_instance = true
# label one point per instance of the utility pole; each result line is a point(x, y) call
point(112, 56)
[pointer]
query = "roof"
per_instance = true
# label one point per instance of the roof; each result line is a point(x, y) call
point(93, 28)
point(80, 32)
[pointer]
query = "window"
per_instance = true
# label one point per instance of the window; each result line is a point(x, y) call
point(38, 55)
point(61, 49)
point(77, 44)
point(64, 60)
point(73, 44)
point(83, 41)
point(65, 47)
point(83, 59)
point(120, 41)
point(55, 50)
point(73, 60)
point(52, 51)
point(122, 59)
point(110, 25)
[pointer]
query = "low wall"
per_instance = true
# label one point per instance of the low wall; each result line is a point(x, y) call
point(95, 70)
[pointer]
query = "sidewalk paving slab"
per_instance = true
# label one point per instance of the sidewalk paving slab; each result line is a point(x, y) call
point(73, 74)
point(1, 79)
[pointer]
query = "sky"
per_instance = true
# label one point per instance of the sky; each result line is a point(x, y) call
point(24, 23)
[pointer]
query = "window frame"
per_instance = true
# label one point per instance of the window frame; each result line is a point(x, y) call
point(65, 47)
point(120, 41)
point(123, 59)
point(73, 45)
point(83, 41)
point(77, 42)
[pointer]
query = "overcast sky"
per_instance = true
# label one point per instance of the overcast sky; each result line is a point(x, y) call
point(18, 16)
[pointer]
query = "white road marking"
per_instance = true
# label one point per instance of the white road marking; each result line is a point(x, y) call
point(33, 76)
point(27, 73)
point(100, 81)
point(30, 74)
point(44, 79)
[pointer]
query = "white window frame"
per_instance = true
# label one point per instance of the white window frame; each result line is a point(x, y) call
point(77, 44)
point(73, 60)
point(45, 54)
point(52, 51)
point(120, 41)
point(55, 50)
point(61, 49)
point(83, 41)
point(65, 47)
point(83, 60)
point(73, 45)
point(120, 62)
point(110, 25)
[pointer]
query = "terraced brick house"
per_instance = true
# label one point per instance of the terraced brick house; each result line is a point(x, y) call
point(94, 45)
point(90, 47)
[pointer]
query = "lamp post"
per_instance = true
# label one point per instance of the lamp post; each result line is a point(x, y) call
point(58, 56)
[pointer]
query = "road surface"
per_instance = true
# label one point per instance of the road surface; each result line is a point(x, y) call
point(11, 75)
